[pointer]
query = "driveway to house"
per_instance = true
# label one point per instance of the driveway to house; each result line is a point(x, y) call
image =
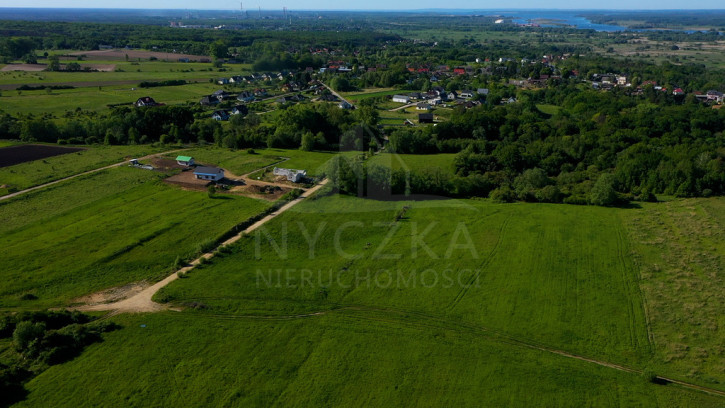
point(142, 301)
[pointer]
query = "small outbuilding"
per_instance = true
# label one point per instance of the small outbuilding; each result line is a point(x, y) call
point(185, 160)
point(209, 173)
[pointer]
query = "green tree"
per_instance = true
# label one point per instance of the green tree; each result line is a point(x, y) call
point(603, 192)
point(53, 63)
point(26, 332)
point(218, 49)
point(308, 142)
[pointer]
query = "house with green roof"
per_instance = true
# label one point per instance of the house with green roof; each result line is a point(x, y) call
point(185, 160)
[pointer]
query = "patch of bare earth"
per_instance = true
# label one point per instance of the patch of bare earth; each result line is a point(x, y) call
point(135, 54)
point(24, 67)
point(256, 189)
point(186, 180)
point(112, 295)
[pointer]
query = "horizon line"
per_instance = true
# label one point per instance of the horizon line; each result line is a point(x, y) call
point(375, 10)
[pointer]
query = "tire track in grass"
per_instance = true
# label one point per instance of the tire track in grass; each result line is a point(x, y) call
point(638, 288)
point(627, 288)
point(425, 322)
point(631, 274)
point(461, 293)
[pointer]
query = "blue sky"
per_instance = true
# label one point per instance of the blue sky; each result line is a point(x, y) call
point(369, 4)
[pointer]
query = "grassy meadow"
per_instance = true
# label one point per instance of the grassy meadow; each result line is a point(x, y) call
point(678, 248)
point(33, 173)
point(126, 71)
point(366, 263)
point(343, 301)
point(415, 162)
point(96, 98)
point(330, 360)
point(105, 229)
point(529, 278)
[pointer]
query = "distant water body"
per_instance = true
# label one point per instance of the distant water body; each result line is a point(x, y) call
point(558, 18)
point(568, 18)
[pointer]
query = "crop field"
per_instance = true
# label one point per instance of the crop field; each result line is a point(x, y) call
point(291, 323)
point(33, 173)
point(109, 228)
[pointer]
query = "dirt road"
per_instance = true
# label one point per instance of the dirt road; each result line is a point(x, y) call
point(142, 301)
point(27, 190)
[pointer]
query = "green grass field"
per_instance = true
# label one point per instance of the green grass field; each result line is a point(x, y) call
point(678, 248)
point(95, 99)
point(126, 71)
point(314, 162)
point(548, 109)
point(6, 143)
point(558, 311)
point(415, 162)
point(33, 173)
point(332, 360)
point(239, 162)
point(536, 278)
point(105, 229)
point(370, 93)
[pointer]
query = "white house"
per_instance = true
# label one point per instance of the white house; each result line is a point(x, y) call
point(401, 98)
point(466, 94)
point(185, 160)
point(209, 173)
point(292, 175)
point(423, 106)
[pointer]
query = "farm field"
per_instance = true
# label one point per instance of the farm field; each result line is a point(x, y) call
point(193, 360)
point(33, 173)
point(548, 277)
point(555, 283)
point(105, 229)
point(24, 153)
